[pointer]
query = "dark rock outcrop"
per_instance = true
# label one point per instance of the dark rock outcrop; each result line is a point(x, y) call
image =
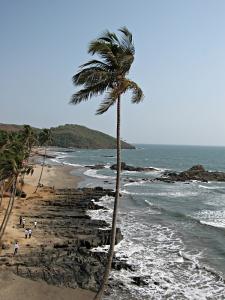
point(68, 234)
point(125, 167)
point(141, 280)
point(96, 167)
point(196, 172)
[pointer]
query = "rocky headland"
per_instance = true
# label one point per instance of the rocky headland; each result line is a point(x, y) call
point(196, 172)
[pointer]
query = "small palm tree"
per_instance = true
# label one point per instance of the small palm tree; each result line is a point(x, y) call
point(45, 137)
point(109, 76)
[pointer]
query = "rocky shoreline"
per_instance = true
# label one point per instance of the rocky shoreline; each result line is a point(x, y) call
point(66, 259)
point(196, 172)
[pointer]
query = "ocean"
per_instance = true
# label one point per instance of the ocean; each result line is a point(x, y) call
point(174, 233)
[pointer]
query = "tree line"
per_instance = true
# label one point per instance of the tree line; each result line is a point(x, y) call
point(15, 150)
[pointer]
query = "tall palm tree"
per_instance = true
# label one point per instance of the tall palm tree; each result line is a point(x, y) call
point(109, 76)
point(45, 137)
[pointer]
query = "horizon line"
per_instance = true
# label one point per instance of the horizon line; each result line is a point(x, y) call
point(186, 145)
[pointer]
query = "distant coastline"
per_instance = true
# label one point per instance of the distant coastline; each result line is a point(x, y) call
point(75, 136)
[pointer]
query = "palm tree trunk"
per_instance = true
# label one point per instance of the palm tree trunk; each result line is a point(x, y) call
point(11, 207)
point(2, 191)
point(41, 171)
point(100, 293)
point(8, 210)
point(6, 213)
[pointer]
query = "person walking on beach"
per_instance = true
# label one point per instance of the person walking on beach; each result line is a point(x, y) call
point(26, 233)
point(30, 233)
point(16, 248)
point(35, 224)
point(23, 222)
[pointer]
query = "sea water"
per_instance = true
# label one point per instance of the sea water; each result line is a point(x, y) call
point(174, 233)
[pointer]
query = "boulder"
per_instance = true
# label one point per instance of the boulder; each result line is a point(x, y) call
point(96, 167)
point(141, 280)
point(125, 167)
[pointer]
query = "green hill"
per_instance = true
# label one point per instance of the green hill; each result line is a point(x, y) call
point(76, 136)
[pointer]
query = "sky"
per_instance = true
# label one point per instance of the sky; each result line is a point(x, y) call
point(179, 64)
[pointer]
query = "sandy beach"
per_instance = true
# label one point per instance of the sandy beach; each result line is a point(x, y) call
point(14, 287)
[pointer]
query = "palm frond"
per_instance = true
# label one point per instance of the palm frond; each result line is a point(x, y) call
point(125, 63)
point(95, 63)
point(109, 37)
point(107, 103)
point(127, 33)
point(90, 76)
point(104, 50)
point(137, 93)
point(86, 93)
point(126, 42)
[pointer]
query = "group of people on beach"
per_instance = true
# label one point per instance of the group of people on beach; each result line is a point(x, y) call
point(28, 233)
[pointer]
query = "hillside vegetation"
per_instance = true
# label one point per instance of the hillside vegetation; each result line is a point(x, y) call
point(76, 136)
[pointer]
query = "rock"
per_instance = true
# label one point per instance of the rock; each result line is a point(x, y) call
point(99, 188)
point(141, 280)
point(125, 167)
point(122, 264)
point(20, 193)
point(96, 167)
point(5, 246)
point(23, 195)
point(196, 168)
point(66, 259)
point(58, 245)
point(196, 172)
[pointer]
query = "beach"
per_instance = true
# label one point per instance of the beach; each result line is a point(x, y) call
point(16, 287)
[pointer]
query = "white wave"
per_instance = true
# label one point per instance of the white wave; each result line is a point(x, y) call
point(129, 172)
point(136, 183)
point(93, 173)
point(157, 252)
point(218, 224)
point(100, 214)
point(148, 202)
point(211, 187)
point(210, 214)
point(132, 193)
point(214, 218)
point(163, 194)
point(106, 200)
point(73, 165)
point(195, 181)
point(55, 160)
point(156, 171)
point(61, 157)
point(105, 213)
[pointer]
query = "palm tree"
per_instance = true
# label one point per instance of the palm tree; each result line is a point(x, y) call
point(45, 137)
point(109, 76)
point(11, 167)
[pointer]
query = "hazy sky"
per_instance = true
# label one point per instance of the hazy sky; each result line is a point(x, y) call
point(179, 63)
